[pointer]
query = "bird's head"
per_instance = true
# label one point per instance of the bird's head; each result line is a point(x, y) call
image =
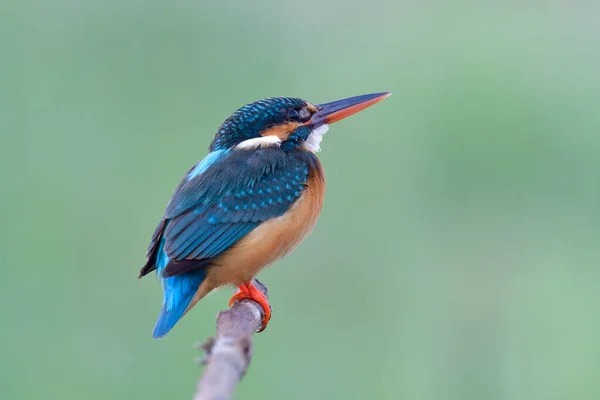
point(286, 122)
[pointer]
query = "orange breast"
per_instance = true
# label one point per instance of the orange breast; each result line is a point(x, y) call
point(270, 241)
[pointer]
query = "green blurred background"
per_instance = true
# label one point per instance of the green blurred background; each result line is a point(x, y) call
point(457, 253)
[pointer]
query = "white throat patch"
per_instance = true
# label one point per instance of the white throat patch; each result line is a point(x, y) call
point(263, 141)
point(313, 142)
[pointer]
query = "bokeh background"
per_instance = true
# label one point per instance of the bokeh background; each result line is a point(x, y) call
point(457, 254)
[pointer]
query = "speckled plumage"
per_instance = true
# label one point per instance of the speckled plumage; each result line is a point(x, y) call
point(211, 211)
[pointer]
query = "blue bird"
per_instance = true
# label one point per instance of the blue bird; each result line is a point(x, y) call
point(249, 202)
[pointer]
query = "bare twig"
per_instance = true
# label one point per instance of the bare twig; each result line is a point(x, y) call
point(228, 355)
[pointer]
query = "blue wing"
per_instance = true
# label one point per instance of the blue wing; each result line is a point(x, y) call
point(210, 211)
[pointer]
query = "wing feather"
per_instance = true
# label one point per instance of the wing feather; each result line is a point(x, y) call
point(212, 210)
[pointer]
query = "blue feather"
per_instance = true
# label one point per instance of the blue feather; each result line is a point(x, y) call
point(205, 163)
point(178, 293)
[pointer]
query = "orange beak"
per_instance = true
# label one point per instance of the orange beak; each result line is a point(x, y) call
point(334, 111)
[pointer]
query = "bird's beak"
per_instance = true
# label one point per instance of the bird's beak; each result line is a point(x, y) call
point(334, 111)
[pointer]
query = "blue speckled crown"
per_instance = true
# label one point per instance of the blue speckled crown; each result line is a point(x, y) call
point(251, 119)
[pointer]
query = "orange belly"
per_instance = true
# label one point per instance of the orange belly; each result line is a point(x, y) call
point(270, 241)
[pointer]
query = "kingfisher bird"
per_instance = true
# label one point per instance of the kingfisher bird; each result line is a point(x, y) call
point(248, 203)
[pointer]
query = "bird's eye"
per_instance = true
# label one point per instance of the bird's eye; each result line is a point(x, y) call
point(293, 115)
point(304, 115)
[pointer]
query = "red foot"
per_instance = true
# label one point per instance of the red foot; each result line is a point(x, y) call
point(249, 291)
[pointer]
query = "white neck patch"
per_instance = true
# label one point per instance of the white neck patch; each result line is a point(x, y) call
point(313, 142)
point(263, 141)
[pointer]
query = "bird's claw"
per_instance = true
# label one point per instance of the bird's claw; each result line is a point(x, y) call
point(251, 292)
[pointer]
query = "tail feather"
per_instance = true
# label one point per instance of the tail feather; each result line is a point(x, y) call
point(166, 321)
point(178, 294)
point(179, 291)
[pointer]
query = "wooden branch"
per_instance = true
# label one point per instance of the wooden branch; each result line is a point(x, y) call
point(228, 355)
